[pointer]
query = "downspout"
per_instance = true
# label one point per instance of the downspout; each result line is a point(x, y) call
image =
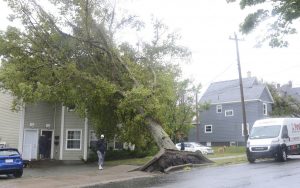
point(21, 131)
point(54, 127)
point(62, 127)
point(85, 139)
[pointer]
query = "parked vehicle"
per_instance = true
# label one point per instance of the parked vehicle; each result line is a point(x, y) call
point(195, 147)
point(11, 162)
point(274, 138)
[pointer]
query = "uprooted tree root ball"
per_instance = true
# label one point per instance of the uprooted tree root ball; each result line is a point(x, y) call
point(171, 158)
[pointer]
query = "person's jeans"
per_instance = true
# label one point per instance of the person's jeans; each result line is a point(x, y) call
point(100, 158)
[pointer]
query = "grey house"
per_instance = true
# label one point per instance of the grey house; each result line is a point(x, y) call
point(10, 132)
point(287, 90)
point(44, 130)
point(222, 123)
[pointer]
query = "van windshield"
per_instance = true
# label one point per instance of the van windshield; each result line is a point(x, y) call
point(265, 132)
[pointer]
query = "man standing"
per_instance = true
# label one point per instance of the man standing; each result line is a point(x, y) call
point(182, 147)
point(101, 147)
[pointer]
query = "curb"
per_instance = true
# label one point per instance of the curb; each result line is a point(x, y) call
point(180, 167)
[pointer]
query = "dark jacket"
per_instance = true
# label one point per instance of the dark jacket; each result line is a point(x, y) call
point(182, 145)
point(101, 146)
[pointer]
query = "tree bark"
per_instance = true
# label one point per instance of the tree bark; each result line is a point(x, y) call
point(161, 138)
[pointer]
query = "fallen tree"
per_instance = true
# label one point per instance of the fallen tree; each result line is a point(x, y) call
point(71, 57)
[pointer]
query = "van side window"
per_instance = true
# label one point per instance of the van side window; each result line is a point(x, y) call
point(284, 133)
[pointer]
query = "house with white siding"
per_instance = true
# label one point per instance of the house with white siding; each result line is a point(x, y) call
point(10, 132)
point(44, 130)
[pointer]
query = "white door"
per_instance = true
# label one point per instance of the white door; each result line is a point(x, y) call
point(30, 144)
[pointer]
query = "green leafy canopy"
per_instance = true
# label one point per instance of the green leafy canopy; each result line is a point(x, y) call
point(285, 13)
point(71, 57)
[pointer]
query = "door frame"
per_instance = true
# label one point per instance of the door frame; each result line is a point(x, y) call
point(52, 141)
point(36, 142)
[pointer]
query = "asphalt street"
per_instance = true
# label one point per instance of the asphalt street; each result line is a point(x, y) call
point(267, 173)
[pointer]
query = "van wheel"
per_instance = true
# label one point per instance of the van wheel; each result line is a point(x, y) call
point(282, 155)
point(251, 159)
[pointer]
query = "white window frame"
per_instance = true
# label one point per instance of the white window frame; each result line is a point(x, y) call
point(66, 144)
point(265, 109)
point(247, 128)
point(211, 128)
point(229, 111)
point(219, 107)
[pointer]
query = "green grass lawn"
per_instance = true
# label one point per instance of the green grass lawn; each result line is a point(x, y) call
point(229, 151)
point(237, 160)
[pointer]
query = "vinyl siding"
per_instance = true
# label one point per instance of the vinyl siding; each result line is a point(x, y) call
point(9, 121)
point(226, 129)
point(265, 96)
point(40, 114)
point(73, 121)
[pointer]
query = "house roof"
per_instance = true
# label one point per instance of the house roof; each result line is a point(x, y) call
point(229, 91)
point(289, 90)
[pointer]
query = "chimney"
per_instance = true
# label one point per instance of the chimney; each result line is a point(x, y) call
point(277, 85)
point(290, 84)
point(249, 74)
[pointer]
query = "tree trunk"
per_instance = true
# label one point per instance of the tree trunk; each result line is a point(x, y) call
point(169, 156)
point(161, 138)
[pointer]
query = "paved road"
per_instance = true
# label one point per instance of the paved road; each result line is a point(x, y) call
point(262, 174)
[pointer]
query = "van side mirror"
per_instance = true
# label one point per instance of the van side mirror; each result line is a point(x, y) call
point(285, 135)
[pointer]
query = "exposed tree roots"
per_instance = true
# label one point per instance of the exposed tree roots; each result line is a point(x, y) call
point(171, 158)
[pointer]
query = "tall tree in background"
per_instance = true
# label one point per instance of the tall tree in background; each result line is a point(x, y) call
point(181, 112)
point(283, 105)
point(70, 56)
point(283, 12)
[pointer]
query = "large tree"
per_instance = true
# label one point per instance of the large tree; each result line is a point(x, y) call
point(283, 13)
point(284, 105)
point(70, 56)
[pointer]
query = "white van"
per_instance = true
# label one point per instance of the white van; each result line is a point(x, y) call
point(274, 138)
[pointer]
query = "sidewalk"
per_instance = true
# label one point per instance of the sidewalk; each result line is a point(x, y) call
point(78, 176)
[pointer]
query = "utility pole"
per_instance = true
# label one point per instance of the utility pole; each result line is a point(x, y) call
point(241, 87)
point(196, 89)
point(197, 118)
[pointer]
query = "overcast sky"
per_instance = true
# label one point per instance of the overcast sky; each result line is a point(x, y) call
point(205, 27)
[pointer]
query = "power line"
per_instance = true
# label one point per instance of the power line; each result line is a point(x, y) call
point(221, 73)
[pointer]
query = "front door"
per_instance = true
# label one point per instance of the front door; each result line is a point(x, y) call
point(45, 144)
point(30, 144)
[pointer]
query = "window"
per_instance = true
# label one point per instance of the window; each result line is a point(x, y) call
point(285, 132)
point(270, 131)
point(208, 129)
point(219, 108)
point(265, 109)
point(247, 129)
point(73, 139)
point(228, 113)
